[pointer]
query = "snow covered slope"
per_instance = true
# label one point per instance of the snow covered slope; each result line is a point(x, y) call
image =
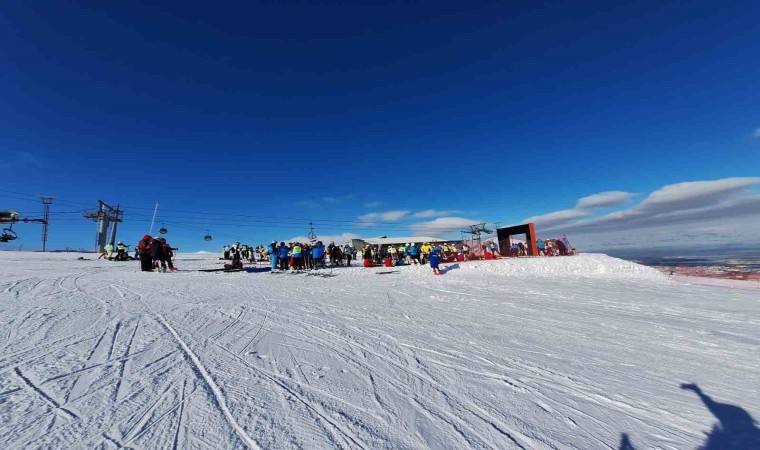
point(569, 352)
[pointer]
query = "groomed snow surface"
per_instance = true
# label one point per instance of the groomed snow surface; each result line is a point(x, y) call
point(569, 352)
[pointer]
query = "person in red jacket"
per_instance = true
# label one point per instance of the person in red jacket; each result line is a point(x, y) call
point(168, 253)
point(144, 251)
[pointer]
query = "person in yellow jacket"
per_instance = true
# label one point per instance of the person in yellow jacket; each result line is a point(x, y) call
point(466, 251)
point(392, 252)
point(426, 249)
point(107, 250)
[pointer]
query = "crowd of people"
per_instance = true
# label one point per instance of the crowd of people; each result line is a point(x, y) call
point(122, 252)
point(304, 256)
point(155, 254)
point(546, 247)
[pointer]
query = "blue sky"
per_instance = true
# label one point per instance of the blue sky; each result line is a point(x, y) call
point(380, 119)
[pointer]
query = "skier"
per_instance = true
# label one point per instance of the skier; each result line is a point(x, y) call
point(272, 250)
point(425, 249)
point(541, 245)
point(226, 252)
point(107, 250)
point(235, 256)
point(121, 252)
point(297, 259)
point(348, 252)
point(235, 252)
point(158, 255)
point(435, 259)
point(144, 252)
point(414, 254)
point(168, 254)
point(282, 256)
point(318, 256)
point(367, 255)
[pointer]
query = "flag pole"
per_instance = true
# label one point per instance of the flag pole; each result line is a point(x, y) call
point(153, 220)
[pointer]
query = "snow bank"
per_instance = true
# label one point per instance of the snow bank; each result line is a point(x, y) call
point(583, 265)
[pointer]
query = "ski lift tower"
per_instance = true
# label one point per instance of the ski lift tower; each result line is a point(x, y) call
point(312, 236)
point(46, 201)
point(104, 216)
point(476, 231)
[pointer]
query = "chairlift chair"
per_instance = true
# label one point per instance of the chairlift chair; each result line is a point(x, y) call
point(207, 237)
point(8, 235)
point(163, 230)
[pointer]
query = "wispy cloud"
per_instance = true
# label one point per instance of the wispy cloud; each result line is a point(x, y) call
point(325, 201)
point(22, 159)
point(443, 225)
point(373, 204)
point(676, 208)
point(609, 199)
point(340, 199)
point(756, 133)
point(558, 217)
point(433, 213)
point(586, 207)
point(387, 216)
point(308, 203)
point(339, 239)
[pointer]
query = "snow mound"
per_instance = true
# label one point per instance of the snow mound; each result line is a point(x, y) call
point(583, 265)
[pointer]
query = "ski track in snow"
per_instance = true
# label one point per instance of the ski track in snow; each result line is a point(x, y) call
point(527, 353)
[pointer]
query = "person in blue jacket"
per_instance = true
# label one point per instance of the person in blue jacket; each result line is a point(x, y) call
point(318, 255)
point(541, 247)
point(272, 250)
point(435, 258)
point(282, 256)
point(414, 254)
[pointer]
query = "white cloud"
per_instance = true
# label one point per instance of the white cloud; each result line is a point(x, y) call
point(443, 225)
point(557, 217)
point(607, 199)
point(387, 216)
point(373, 204)
point(694, 194)
point(757, 133)
point(433, 213)
point(339, 239)
point(584, 208)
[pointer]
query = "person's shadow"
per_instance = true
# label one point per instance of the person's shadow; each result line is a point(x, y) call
point(736, 428)
point(449, 267)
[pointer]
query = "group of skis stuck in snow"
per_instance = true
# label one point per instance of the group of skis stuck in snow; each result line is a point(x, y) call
point(156, 255)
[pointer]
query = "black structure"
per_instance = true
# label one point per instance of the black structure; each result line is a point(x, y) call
point(528, 229)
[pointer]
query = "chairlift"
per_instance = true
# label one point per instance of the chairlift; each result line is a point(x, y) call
point(8, 235)
point(207, 237)
point(163, 230)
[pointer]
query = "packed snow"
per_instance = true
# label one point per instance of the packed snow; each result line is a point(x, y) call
point(584, 352)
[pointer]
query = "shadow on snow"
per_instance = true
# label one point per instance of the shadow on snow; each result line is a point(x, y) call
point(736, 429)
